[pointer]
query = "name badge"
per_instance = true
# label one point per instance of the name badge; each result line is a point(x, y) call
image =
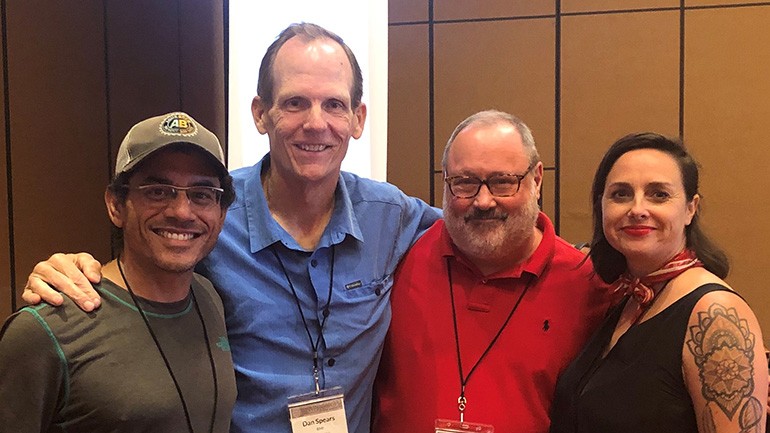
point(318, 412)
point(449, 426)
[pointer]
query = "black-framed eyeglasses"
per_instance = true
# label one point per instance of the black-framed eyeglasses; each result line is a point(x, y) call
point(499, 185)
point(201, 196)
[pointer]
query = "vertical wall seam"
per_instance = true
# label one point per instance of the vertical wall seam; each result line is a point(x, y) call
point(557, 120)
point(8, 163)
point(431, 107)
point(681, 69)
point(179, 51)
point(107, 101)
point(226, 49)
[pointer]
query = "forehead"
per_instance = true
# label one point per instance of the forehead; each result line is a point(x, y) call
point(177, 164)
point(483, 148)
point(308, 65)
point(644, 166)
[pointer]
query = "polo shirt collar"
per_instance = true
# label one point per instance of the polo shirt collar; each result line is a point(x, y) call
point(535, 265)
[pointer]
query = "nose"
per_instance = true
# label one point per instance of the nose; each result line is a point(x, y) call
point(484, 199)
point(315, 118)
point(180, 207)
point(638, 208)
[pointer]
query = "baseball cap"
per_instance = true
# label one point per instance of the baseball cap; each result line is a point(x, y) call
point(155, 133)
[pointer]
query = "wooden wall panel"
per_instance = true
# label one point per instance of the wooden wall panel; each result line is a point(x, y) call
point(56, 97)
point(202, 62)
point(409, 124)
point(620, 73)
point(568, 6)
point(407, 10)
point(143, 55)
point(727, 107)
point(7, 293)
point(465, 9)
point(506, 65)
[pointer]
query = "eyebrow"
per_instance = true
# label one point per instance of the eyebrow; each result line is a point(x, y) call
point(651, 184)
point(149, 180)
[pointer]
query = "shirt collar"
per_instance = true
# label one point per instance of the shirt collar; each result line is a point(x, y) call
point(264, 230)
point(535, 264)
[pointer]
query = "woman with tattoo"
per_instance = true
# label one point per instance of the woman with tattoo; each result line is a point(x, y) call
point(681, 352)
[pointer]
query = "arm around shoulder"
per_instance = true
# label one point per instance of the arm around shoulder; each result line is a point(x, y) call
point(724, 365)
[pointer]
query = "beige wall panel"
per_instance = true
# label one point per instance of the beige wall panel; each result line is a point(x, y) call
point(727, 107)
point(507, 65)
point(691, 3)
point(613, 5)
point(58, 129)
point(144, 63)
point(407, 10)
point(408, 110)
point(203, 63)
point(465, 9)
point(620, 74)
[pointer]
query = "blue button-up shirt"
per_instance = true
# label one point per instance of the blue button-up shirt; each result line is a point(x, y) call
point(372, 226)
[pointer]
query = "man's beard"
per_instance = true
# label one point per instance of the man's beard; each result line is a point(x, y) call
point(491, 234)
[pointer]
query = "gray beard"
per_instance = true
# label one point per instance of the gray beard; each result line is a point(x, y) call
point(491, 235)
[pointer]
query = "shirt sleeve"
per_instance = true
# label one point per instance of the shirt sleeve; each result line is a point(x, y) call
point(32, 373)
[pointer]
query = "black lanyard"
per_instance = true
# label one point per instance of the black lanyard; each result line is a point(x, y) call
point(462, 401)
point(165, 360)
point(313, 344)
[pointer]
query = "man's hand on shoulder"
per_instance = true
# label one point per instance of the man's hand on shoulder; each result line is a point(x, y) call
point(71, 274)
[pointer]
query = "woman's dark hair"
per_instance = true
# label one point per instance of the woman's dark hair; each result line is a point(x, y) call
point(119, 184)
point(608, 262)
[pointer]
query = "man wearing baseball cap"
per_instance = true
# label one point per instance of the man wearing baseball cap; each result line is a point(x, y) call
point(155, 356)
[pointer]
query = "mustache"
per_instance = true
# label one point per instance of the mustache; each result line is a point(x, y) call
point(485, 215)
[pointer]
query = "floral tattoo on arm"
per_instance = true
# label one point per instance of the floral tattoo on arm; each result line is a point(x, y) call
point(723, 348)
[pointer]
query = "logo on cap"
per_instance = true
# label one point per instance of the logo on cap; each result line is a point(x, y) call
point(178, 124)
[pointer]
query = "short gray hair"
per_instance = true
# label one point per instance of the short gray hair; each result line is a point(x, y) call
point(494, 117)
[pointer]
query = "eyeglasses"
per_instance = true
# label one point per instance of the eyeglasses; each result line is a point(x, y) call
point(202, 197)
point(499, 185)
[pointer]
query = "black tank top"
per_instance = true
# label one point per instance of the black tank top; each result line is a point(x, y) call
point(638, 386)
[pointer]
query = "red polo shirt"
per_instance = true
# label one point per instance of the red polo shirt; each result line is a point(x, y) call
point(512, 387)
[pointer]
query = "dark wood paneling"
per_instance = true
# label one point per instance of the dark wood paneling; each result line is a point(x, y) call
point(202, 63)
point(143, 56)
point(408, 120)
point(7, 294)
point(58, 129)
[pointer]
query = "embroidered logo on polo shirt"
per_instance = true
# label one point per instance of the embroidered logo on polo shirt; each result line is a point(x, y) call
point(223, 344)
point(178, 124)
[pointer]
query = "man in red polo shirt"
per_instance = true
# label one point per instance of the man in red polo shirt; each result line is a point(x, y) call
point(489, 306)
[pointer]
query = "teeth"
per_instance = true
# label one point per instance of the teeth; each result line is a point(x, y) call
point(312, 147)
point(175, 236)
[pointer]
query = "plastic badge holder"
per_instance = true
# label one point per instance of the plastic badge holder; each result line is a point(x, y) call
point(448, 426)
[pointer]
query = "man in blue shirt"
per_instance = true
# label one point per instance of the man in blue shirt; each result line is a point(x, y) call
point(304, 262)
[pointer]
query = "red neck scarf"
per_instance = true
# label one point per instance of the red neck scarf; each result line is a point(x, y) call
point(640, 287)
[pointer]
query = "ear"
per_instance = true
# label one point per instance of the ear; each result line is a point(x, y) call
point(259, 113)
point(359, 117)
point(115, 209)
point(692, 208)
point(537, 175)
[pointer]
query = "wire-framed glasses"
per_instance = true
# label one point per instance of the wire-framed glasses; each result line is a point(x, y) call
point(200, 196)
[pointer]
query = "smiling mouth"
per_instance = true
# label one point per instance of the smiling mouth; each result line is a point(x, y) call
point(637, 231)
point(313, 147)
point(175, 236)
